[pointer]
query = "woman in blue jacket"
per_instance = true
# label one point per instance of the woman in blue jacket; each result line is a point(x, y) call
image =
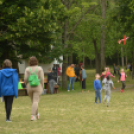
point(8, 86)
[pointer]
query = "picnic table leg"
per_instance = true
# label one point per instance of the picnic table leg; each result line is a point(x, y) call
point(25, 92)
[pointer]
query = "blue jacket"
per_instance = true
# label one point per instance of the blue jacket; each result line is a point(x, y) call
point(97, 85)
point(9, 82)
point(84, 76)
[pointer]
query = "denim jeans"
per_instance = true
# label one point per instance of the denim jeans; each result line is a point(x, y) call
point(98, 95)
point(71, 82)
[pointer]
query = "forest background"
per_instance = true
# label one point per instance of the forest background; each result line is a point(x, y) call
point(81, 30)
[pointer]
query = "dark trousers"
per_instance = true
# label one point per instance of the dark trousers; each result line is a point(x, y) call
point(114, 72)
point(97, 95)
point(123, 85)
point(8, 105)
point(84, 84)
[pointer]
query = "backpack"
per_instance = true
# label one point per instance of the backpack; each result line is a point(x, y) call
point(33, 78)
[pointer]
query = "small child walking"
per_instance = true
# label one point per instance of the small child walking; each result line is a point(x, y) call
point(122, 78)
point(108, 83)
point(97, 87)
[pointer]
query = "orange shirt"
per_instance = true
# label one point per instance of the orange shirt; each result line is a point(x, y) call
point(70, 72)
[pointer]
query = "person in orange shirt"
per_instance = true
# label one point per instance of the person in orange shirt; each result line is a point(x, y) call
point(71, 74)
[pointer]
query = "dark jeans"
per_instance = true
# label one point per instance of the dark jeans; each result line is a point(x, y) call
point(8, 105)
point(84, 84)
point(123, 85)
point(114, 72)
point(98, 95)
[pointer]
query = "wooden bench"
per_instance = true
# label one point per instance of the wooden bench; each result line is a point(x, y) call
point(24, 89)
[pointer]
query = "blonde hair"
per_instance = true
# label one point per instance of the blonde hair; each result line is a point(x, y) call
point(97, 74)
point(122, 70)
point(7, 63)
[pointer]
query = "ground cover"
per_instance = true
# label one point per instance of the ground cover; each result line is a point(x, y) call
point(74, 112)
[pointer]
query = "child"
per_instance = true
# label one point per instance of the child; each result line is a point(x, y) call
point(106, 73)
point(122, 78)
point(108, 83)
point(97, 87)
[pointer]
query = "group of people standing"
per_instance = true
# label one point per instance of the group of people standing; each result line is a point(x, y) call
point(54, 75)
point(108, 84)
point(72, 74)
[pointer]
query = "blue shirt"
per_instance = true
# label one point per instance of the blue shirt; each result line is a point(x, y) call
point(84, 76)
point(97, 84)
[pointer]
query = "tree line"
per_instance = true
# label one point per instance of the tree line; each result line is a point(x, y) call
point(47, 29)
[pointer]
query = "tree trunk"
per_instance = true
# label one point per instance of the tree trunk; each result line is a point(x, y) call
point(84, 61)
point(65, 56)
point(70, 59)
point(118, 58)
point(126, 57)
point(126, 61)
point(97, 57)
point(122, 57)
point(103, 62)
point(91, 64)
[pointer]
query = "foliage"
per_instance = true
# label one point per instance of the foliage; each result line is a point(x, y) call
point(73, 112)
point(30, 27)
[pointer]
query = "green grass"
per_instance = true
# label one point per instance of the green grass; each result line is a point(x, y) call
point(74, 112)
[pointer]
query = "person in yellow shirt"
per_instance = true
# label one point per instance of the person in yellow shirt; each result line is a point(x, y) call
point(71, 74)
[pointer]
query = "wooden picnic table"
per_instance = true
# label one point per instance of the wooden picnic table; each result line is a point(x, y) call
point(25, 89)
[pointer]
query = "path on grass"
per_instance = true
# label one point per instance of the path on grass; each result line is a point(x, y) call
point(127, 86)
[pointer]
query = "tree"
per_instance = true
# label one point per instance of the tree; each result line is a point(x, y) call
point(70, 25)
point(103, 63)
point(30, 28)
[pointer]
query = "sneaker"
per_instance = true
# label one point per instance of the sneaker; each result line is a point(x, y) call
point(33, 118)
point(68, 90)
point(38, 116)
point(121, 90)
point(8, 120)
point(107, 105)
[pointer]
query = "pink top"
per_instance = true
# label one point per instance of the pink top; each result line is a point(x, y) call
point(123, 76)
point(59, 69)
point(107, 73)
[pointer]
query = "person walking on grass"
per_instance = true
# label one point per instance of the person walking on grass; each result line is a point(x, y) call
point(8, 86)
point(51, 80)
point(84, 76)
point(108, 83)
point(97, 87)
point(122, 78)
point(71, 74)
point(34, 80)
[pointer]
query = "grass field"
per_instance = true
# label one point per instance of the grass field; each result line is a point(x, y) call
point(74, 112)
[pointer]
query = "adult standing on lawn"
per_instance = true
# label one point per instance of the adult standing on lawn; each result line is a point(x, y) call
point(34, 92)
point(51, 80)
point(114, 67)
point(8, 86)
point(55, 71)
point(84, 76)
point(71, 74)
